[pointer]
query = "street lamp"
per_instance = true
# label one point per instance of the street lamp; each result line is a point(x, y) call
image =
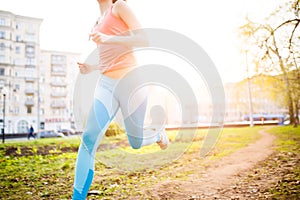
point(249, 93)
point(3, 91)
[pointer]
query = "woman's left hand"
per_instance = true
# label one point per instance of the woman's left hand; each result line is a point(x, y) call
point(99, 38)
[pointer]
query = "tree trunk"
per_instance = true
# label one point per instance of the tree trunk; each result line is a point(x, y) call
point(286, 80)
point(289, 95)
point(296, 113)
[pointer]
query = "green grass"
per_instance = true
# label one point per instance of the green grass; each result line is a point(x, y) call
point(59, 142)
point(51, 176)
point(288, 138)
point(288, 157)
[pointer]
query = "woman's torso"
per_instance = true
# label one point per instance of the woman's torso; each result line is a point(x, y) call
point(117, 58)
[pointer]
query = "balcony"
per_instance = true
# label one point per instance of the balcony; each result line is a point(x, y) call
point(58, 94)
point(29, 102)
point(7, 25)
point(4, 62)
point(58, 59)
point(58, 62)
point(58, 84)
point(29, 79)
point(29, 91)
point(58, 104)
point(58, 73)
point(30, 66)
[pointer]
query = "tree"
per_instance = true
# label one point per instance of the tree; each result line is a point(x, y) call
point(275, 48)
point(265, 91)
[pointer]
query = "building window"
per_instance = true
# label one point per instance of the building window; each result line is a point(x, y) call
point(2, 34)
point(41, 98)
point(30, 37)
point(42, 125)
point(29, 109)
point(17, 110)
point(30, 61)
point(2, 22)
point(2, 83)
point(18, 38)
point(17, 86)
point(2, 46)
point(31, 28)
point(29, 72)
point(18, 25)
point(30, 50)
point(2, 71)
point(2, 59)
point(29, 85)
point(18, 61)
point(42, 79)
point(22, 126)
point(58, 68)
point(18, 49)
point(58, 59)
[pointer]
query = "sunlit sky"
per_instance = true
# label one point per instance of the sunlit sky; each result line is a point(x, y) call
point(212, 24)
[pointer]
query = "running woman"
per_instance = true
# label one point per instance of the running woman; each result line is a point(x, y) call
point(115, 35)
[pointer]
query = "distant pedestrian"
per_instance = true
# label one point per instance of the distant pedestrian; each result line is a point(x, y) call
point(30, 133)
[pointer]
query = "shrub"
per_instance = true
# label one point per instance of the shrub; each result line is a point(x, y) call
point(114, 129)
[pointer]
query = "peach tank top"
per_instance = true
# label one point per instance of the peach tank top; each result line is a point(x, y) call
point(116, 58)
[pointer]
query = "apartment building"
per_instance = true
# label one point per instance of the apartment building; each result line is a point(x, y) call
point(19, 55)
point(58, 74)
point(36, 83)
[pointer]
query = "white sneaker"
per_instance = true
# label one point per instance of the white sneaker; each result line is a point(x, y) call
point(164, 140)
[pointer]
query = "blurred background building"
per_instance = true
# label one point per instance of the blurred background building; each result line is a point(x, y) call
point(36, 82)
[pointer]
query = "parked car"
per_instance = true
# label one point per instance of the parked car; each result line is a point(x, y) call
point(265, 117)
point(287, 119)
point(49, 134)
point(67, 132)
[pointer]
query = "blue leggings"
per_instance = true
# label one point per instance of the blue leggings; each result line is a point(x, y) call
point(105, 106)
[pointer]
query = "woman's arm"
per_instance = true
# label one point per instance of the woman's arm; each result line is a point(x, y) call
point(124, 12)
point(87, 68)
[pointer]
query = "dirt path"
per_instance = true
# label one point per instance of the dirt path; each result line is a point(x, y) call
point(222, 174)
